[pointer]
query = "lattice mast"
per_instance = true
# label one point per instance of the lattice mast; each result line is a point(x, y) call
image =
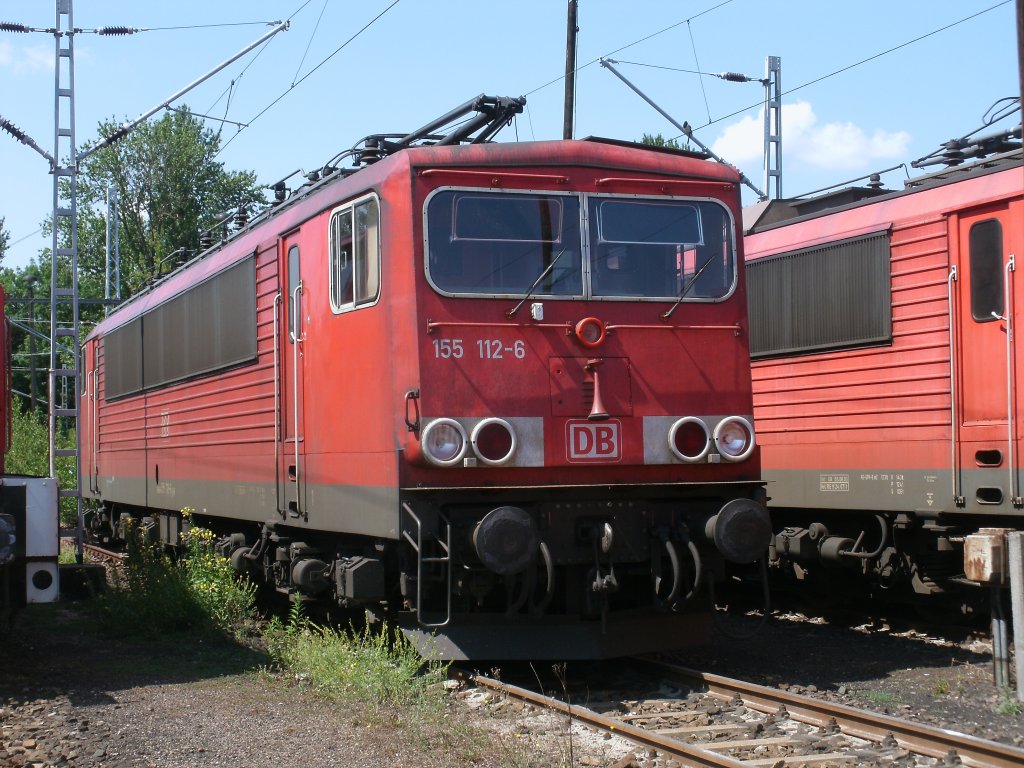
point(65, 358)
point(773, 126)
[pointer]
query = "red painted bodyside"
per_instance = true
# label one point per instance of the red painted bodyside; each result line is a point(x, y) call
point(851, 428)
point(164, 448)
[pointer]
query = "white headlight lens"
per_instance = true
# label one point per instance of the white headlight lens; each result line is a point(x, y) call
point(734, 438)
point(444, 442)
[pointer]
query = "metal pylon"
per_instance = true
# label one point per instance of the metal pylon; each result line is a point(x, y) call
point(773, 126)
point(65, 374)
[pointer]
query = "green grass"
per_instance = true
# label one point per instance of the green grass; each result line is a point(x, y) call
point(378, 667)
point(881, 697)
point(153, 597)
point(375, 672)
point(1009, 704)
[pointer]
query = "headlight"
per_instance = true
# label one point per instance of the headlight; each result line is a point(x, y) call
point(494, 441)
point(444, 442)
point(689, 440)
point(734, 438)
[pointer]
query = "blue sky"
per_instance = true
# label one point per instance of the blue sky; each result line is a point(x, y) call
point(423, 57)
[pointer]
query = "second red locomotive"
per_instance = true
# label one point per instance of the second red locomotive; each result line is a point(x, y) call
point(887, 378)
point(499, 392)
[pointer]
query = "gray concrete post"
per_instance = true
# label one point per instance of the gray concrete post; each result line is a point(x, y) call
point(1015, 542)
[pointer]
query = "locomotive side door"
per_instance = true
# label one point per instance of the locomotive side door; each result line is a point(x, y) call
point(291, 449)
point(987, 455)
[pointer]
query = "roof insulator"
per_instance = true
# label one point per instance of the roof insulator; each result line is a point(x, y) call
point(12, 129)
point(8, 26)
point(114, 31)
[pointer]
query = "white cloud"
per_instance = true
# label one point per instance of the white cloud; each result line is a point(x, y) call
point(832, 146)
point(21, 59)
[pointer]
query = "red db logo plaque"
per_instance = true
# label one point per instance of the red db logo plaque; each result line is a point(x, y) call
point(590, 441)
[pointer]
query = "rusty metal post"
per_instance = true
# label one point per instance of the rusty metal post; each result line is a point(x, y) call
point(1015, 542)
point(570, 71)
point(1000, 647)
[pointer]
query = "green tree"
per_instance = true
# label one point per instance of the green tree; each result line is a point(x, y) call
point(657, 140)
point(170, 188)
point(5, 239)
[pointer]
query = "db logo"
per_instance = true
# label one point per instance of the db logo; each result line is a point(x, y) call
point(592, 441)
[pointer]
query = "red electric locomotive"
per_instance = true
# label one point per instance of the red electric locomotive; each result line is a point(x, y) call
point(887, 377)
point(498, 392)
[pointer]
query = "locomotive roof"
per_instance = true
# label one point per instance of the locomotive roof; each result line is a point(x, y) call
point(936, 194)
point(322, 194)
point(772, 214)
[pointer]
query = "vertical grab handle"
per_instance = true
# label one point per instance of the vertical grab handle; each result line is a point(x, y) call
point(297, 339)
point(278, 299)
point(954, 465)
point(1011, 421)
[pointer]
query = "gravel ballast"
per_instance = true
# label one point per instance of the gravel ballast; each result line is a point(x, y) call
point(70, 696)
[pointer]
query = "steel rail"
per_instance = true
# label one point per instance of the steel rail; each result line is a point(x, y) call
point(106, 554)
point(921, 739)
point(690, 754)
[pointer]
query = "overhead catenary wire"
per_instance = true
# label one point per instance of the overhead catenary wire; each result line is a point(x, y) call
point(630, 45)
point(26, 237)
point(848, 67)
point(330, 56)
point(230, 89)
point(310, 43)
point(696, 61)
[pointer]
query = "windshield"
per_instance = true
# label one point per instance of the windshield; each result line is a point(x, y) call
point(502, 243)
point(497, 243)
point(652, 248)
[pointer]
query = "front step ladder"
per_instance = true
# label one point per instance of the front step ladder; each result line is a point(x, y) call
point(431, 552)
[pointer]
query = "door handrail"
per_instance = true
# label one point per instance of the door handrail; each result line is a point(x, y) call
point(958, 500)
point(278, 506)
point(1011, 422)
point(296, 339)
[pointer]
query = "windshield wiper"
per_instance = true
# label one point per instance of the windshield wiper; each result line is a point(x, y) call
point(687, 287)
point(532, 288)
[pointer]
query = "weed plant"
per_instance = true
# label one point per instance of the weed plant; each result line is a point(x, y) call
point(227, 602)
point(1008, 704)
point(152, 596)
point(378, 668)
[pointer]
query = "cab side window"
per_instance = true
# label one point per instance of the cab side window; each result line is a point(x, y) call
point(355, 254)
point(986, 259)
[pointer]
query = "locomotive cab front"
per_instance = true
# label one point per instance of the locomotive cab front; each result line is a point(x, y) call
point(579, 447)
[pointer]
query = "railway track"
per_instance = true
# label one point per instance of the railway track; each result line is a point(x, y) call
point(709, 720)
point(99, 554)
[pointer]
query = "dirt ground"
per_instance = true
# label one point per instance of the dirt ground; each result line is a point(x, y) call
point(70, 696)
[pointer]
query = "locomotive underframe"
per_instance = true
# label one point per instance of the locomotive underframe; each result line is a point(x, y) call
point(609, 572)
point(896, 556)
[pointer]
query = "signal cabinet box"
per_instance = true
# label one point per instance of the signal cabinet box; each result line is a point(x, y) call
point(32, 503)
